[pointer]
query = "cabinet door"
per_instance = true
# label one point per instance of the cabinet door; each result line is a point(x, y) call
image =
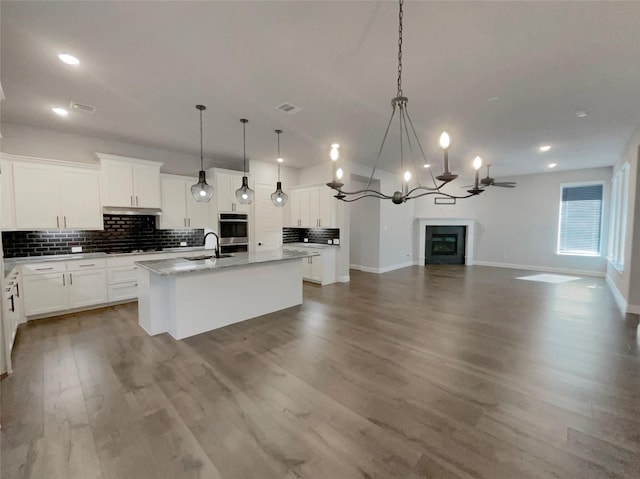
point(224, 193)
point(305, 220)
point(174, 206)
point(306, 268)
point(80, 198)
point(37, 196)
point(327, 207)
point(314, 207)
point(44, 293)
point(198, 212)
point(118, 184)
point(294, 208)
point(317, 269)
point(87, 287)
point(7, 206)
point(146, 186)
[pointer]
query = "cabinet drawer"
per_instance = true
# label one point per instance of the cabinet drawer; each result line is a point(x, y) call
point(122, 274)
point(81, 264)
point(42, 268)
point(128, 260)
point(124, 291)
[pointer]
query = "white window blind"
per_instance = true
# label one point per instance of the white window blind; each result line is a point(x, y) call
point(580, 220)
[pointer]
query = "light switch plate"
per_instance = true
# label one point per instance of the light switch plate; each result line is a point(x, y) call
point(76, 249)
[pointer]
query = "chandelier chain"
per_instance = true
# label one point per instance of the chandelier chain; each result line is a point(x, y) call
point(201, 154)
point(400, 14)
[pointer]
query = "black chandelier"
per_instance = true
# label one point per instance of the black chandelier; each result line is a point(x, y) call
point(407, 131)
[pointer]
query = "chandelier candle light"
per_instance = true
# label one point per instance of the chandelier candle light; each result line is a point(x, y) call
point(407, 131)
point(279, 197)
point(244, 194)
point(201, 191)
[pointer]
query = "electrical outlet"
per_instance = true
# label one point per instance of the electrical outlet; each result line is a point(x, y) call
point(329, 241)
point(336, 241)
point(76, 249)
point(306, 240)
point(183, 243)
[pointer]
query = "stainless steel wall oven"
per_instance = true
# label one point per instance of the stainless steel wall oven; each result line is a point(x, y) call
point(234, 232)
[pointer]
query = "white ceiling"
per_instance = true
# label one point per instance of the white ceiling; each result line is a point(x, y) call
point(144, 65)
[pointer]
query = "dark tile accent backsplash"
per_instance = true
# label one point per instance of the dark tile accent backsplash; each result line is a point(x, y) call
point(315, 235)
point(121, 233)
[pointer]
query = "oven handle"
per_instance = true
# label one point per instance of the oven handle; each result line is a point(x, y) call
point(233, 221)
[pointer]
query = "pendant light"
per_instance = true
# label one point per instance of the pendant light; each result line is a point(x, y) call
point(244, 194)
point(201, 191)
point(279, 197)
point(407, 130)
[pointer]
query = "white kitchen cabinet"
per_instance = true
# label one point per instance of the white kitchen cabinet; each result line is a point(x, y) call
point(179, 209)
point(320, 269)
point(129, 182)
point(63, 285)
point(225, 190)
point(312, 207)
point(11, 315)
point(7, 202)
point(122, 276)
point(56, 197)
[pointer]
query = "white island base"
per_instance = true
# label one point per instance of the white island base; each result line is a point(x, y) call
point(191, 302)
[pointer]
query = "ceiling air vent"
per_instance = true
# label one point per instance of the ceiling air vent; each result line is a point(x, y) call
point(75, 106)
point(288, 108)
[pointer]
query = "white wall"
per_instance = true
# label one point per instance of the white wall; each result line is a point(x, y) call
point(43, 143)
point(364, 227)
point(626, 283)
point(519, 227)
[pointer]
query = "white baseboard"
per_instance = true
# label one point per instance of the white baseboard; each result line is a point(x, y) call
point(344, 279)
point(545, 269)
point(386, 269)
point(617, 295)
point(633, 308)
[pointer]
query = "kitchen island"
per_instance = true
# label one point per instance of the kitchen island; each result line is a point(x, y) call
point(189, 296)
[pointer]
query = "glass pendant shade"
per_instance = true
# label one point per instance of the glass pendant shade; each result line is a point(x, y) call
point(202, 191)
point(279, 197)
point(244, 194)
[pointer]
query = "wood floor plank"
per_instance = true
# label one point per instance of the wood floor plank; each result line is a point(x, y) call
point(425, 372)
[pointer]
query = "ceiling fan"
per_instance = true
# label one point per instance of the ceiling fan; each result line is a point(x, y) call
point(488, 181)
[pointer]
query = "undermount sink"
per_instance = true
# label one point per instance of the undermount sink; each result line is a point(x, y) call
point(202, 258)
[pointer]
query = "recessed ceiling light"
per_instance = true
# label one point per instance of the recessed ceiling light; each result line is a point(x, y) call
point(60, 111)
point(69, 59)
point(426, 165)
point(552, 165)
point(493, 98)
point(279, 159)
point(545, 147)
point(581, 113)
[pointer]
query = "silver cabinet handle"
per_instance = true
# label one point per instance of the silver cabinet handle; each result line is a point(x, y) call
point(185, 222)
point(85, 265)
point(58, 221)
point(131, 200)
point(63, 281)
point(13, 306)
point(189, 222)
point(137, 200)
point(65, 221)
point(70, 278)
point(42, 269)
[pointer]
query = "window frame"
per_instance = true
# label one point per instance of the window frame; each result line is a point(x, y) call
point(618, 217)
point(602, 209)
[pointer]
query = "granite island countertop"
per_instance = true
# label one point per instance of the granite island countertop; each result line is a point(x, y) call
point(174, 266)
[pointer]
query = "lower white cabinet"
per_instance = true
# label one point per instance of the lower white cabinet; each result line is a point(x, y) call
point(11, 316)
point(320, 269)
point(63, 285)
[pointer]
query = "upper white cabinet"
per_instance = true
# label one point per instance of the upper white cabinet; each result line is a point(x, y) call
point(312, 207)
point(130, 182)
point(226, 185)
point(7, 205)
point(56, 197)
point(179, 209)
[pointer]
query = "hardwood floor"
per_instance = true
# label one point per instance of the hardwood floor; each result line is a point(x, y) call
point(438, 372)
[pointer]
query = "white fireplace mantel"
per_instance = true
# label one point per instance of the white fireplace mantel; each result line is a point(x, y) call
point(469, 247)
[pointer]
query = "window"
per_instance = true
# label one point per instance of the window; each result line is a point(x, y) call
point(619, 202)
point(580, 219)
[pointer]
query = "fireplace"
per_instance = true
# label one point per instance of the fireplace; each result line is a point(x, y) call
point(445, 244)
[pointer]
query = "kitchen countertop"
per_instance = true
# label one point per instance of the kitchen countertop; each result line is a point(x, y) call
point(10, 263)
point(311, 245)
point(181, 265)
